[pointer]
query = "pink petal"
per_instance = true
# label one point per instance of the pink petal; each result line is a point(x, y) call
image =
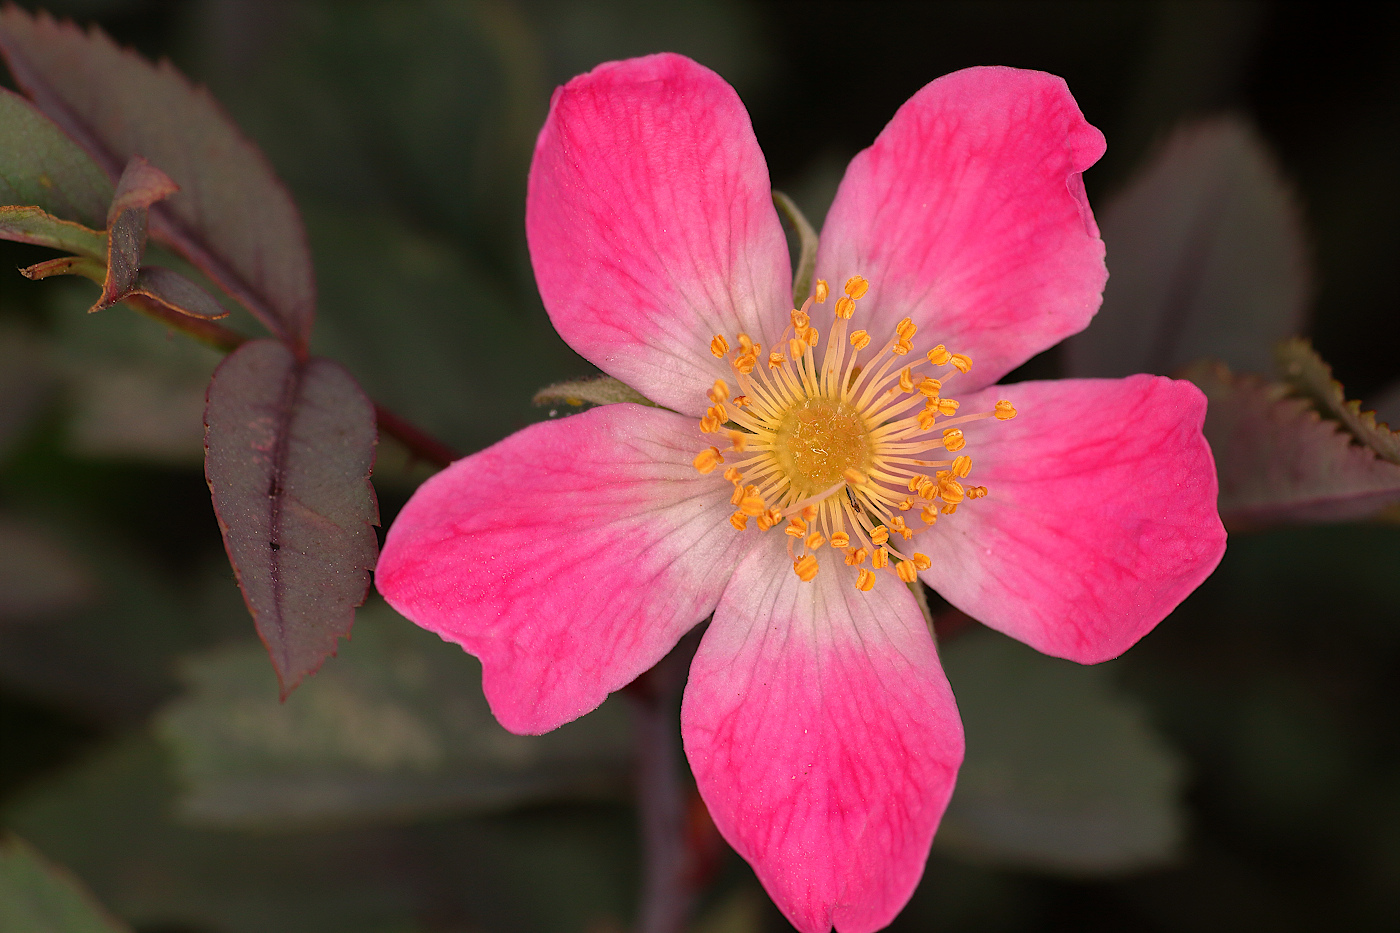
point(1100, 515)
point(824, 738)
point(652, 228)
point(570, 557)
point(968, 215)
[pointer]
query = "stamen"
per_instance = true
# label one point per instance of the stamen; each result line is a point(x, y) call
point(822, 290)
point(860, 339)
point(865, 581)
point(961, 363)
point(856, 287)
point(806, 567)
point(953, 439)
point(814, 541)
point(962, 465)
point(706, 460)
point(739, 520)
point(1004, 411)
point(845, 307)
point(840, 540)
point(907, 571)
point(939, 355)
point(719, 346)
point(922, 561)
point(880, 559)
point(930, 388)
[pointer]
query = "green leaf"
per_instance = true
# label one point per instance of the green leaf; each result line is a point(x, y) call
point(1278, 460)
point(1062, 773)
point(290, 446)
point(1207, 258)
point(33, 225)
point(397, 727)
point(232, 218)
point(601, 390)
point(807, 244)
point(39, 897)
point(1312, 378)
point(41, 167)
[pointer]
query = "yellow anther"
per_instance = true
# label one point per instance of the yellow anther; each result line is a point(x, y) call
point(776, 359)
point(719, 346)
point(865, 580)
point(841, 540)
point(927, 489)
point(822, 290)
point(907, 571)
point(897, 523)
point(753, 505)
point(797, 346)
point(950, 491)
point(906, 329)
point(976, 492)
point(733, 475)
point(929, 515)
point(854, 477)
point(1004, 411)
point(856, 286)
point(950, 509)
point(922, 561)
point(814, 541)
point(739, 520)
point(745, 362)
point(845, 307)
point(880, 559)
point(710, 424)
point(879, 535)
point(796, 528)
point(931, 388)
point(769, 519)
point(738, 439)
point(746, 343)
point(953, 439)
point(741, 401)
point(719, 392)
point(901, 347)
point(856, 556)
point(860, 340)
point(904, 506)
point(737, 496)
point(706, 460)
point(800, 320)
point(805, 567)
point(718, 411)
point(809, 512)
point(939, 355)
point(926, 418)
point(947, 406)
point(961, 363)
point(962, 465)
point(915, 480)
point(812, 336)
point(906, 380)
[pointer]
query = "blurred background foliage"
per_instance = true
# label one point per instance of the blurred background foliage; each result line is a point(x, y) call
point(1239, 769)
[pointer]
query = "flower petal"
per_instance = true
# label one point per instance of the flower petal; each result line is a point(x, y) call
point(652, 227)
point(1100, 515)
point(570, 557)
point(968, 215)
point(824, 738)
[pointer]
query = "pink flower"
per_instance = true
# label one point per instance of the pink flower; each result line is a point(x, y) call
point(834, 459)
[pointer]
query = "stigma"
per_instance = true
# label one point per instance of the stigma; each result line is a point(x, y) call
point(846, 444)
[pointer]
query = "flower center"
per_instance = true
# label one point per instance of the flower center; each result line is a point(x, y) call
point(818, 440)
point(837, 447)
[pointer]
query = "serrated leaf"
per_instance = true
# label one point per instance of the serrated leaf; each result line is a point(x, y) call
point(290, 445)
point(397, 728)
point(1279, 461)
point(602, 390)
point(1062, 773)
point(37, 896)
point(176, 292)
point(1207, 258)
point(232, 218)
point(41, 167)
point(1312, 378)
point(141, 185)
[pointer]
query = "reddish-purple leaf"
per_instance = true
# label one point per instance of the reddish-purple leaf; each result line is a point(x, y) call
point(178, 293)
point(140, 186)
point(232, 217)
point(41, 167)
point(289, 449)
point(1279, 461)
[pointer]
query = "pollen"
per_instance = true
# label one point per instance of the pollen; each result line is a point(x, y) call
point(842, 435)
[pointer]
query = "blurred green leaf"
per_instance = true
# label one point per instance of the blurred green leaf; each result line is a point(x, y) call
point(38, 897)
point(1062, 773)
point(26, 376)
point(397, 726)
point(41, 167)
point(1312, 378)
point(603, 390)
point(1279, 461)
point(40, 577)
point(32, 225)
point(1207, 258)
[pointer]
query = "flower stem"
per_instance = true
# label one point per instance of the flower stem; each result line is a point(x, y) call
point(419, 443)
point(668, 864)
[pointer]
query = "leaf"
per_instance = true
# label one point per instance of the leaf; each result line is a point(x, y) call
point(1312, 378)
point(140, 186)
point(601, 390)
point(232, 218)
point(1207, 258)
point(39, 576)
point(806, 263)
point(397, 728)
point(41, 167)
point(290, 445)
point(173, 290)
point(26, 376)
point(1278, 460)
point(39, 897)
point(1062, 773)
point(33, 225)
